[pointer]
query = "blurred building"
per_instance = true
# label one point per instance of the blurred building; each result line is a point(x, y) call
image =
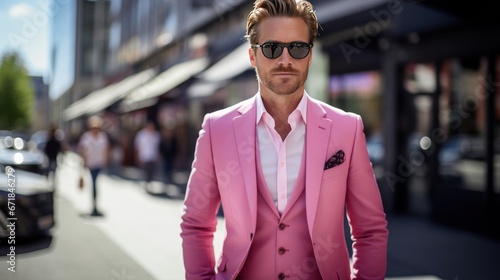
point(41, 110)
point(422, 74)
point(78, 55)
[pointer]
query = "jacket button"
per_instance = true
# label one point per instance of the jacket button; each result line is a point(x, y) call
point(281, 276)
point(282, 226)
point(281, 250)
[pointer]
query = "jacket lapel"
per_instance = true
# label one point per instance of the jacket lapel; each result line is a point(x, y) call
point(246, 146)
point(317, 137)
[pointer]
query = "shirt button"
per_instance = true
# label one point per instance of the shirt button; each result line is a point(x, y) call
point(281, 250)
point(282, 226)
point(281, 276)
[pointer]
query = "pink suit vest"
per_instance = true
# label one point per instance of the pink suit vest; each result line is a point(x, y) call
point(281, 247)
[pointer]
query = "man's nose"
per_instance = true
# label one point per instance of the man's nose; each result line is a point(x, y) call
point(285, 57)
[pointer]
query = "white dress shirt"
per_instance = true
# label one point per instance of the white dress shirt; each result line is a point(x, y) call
point(281, 159)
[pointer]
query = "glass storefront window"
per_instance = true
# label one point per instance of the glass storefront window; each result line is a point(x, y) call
point(454, 167)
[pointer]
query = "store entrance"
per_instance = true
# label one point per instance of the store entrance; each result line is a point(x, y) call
point(452, 142)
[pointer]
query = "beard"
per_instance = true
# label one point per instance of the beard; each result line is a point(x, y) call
point(283, 85)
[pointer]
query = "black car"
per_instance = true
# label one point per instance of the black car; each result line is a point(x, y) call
point(26, 203)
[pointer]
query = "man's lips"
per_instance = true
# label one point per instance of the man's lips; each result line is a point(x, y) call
point(284, 73)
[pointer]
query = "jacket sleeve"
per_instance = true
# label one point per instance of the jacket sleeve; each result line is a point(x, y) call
point(365, 213)
point(199, 218)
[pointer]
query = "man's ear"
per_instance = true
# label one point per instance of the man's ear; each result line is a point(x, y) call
point(251, 55)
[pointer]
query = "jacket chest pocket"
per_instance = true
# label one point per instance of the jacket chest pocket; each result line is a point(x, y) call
point(336, 174)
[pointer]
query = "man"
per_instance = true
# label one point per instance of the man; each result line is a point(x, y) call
point(53, 147)
point(168, 149)
point(94, 150)
point(286, 168)
point(146, 150)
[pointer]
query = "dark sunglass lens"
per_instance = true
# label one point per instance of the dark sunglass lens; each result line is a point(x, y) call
point(299, 51)
point(271, 50)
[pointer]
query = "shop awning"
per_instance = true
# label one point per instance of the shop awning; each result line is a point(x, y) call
point(100, 99)
point(162, 83)
point(219, 74)
point(339, 9)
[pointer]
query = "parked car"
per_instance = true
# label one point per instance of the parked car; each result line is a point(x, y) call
point(17, 151)
point(32, 211)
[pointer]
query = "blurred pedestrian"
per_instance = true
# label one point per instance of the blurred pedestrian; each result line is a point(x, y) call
point(52, 149)
point(168, 148)
point(146, 145)
point(94, 149)
point(287, 168)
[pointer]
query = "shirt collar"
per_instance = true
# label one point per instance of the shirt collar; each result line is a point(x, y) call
point(301, 108)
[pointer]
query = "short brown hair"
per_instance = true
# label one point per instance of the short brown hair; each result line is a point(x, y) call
point(289, 8)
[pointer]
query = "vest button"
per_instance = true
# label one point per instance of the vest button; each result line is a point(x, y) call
point(282, 226)
point(281, 250)
point(281, 276)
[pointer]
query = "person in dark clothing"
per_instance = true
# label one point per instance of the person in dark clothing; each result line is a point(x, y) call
point(52, 149)
point(168, 148)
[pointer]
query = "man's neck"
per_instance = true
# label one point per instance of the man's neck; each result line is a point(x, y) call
point(280, 107)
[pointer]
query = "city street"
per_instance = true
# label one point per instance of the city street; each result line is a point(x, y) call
point(138, 238)
point(152, 85)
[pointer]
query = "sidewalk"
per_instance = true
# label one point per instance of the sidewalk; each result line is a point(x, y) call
point(419, 247)
point(76, 249)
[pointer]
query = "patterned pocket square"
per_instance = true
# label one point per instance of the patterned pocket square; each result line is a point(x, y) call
point(335, 160)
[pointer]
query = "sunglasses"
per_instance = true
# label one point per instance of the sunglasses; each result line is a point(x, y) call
point(273, 50)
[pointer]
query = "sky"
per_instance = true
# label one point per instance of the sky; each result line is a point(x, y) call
point(25, 27)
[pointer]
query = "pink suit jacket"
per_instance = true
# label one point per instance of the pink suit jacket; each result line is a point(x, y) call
point(224, 171)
